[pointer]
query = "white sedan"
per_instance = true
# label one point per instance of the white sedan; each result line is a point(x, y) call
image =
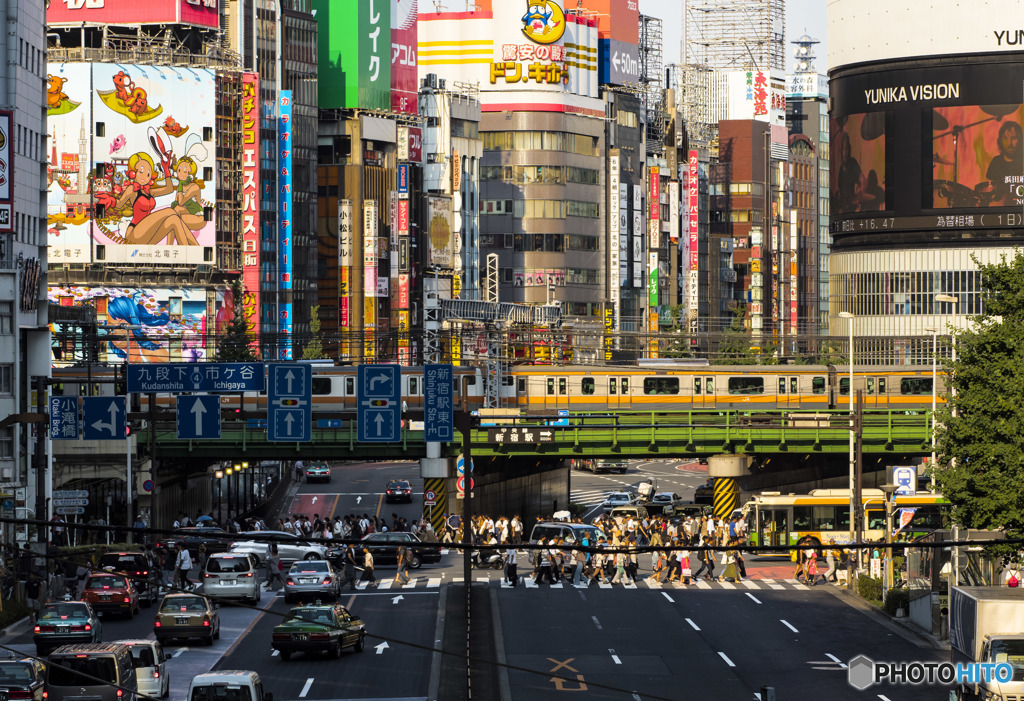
point(617, 499)
point(289, 547)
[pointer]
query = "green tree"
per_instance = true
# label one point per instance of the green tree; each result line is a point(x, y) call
point(314, 349)
point(981, 437)
point(236, 344)
point(735, 347)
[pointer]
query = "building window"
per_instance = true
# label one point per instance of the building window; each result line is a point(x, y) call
point(6, 317)
point(6, 443)
point(6, 379)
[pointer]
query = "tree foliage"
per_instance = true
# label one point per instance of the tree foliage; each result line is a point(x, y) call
point(236, 343)
point(735, 348)
point(981, 436)
point(314, 349)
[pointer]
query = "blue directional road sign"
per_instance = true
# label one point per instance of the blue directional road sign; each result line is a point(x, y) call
point(438, 403)
point(289, 402)
point(103, 418)
point(198, 416)
point(63, 418)
point(379, 397)
point(196, 377)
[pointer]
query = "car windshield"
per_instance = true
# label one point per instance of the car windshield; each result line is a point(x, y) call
point(308, 567)
point(312, 615)
point(60, 611)
point(184, 603)
point(105, 582)
point(142, 656)
point(221, 692)
point(228, 564)
point(80, 671)
point(1009, 651)
point(15, 673)
point(124, 562)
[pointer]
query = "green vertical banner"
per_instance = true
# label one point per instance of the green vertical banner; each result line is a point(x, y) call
point(354, 53)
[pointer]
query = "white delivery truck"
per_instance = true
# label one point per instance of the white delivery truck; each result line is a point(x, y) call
point(986, 624)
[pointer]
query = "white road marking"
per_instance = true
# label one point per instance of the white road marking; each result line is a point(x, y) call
point(411, 584)
point(384, 584)
point(788, 625)
point(883, 697)
point(727, 660)
point(776, 586)
point(750, 584)
point(670, 599)
point(604, 585)
point(180, 650)
point(835, 659)
point(596, 622)
point(305, 689)
point(701, 584)
point(615, 658)
point(756, 601)
point(275, 653)
point(692, 624)
point(727, 585)
point(434, 582)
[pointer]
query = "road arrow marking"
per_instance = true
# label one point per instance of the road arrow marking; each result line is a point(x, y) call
point(198, 410)
point(397, 599)
point(381, 648)
point(315, 498)
point(289, 376)
point(359, 500)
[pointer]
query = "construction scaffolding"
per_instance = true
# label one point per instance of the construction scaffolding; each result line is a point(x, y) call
point(735, 34)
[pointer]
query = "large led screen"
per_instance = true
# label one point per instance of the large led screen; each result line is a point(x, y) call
point(934, 147)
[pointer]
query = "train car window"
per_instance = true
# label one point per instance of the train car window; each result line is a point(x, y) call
point(661, 385)
point(818, 385)
point(915, 385)
point(782, 385)
point(871, 385)
point(696, 385)
point(881, 385)
point(521, 385)
point(587, 385)
point(844, 386)
point(611, 385)
point(746, 385)
point(624, 385)
point(551, 385)
point(709, 385)
point(561, 385)
point(506, 381)
point(350, 386)
point(471, 380)
point(792, 385)
point(321, 385)
point(414, 385)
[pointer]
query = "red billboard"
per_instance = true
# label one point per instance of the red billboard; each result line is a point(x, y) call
point(77, 12)
point(251, 198)
point(404, 79)
point(616, 19)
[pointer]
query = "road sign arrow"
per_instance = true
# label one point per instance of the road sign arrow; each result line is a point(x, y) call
point(197, 411)
point(381, 648)
point(379, 378)
point(289, 376)
point(314, 499)
point(396, 599)
point(615, 60)
point(288, 419)
point(379, 421)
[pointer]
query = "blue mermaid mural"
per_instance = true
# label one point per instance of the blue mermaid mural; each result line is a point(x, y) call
point(133, 312)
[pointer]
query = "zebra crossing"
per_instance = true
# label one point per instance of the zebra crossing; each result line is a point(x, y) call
point(589, 497)
point(496, 579)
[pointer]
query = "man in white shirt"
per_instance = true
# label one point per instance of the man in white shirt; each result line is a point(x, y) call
point(183, 564)
point(511, 564)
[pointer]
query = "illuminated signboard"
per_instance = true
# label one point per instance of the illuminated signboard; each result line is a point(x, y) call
point(251, 200)
point(284, 225)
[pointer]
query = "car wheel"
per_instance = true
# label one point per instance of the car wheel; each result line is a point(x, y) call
point(336, 650)
point(415, 561)
point(286, 655)
point(208, 640)
point(216, 634)
point(360, 643)
point(311, 556)
point(287, 600)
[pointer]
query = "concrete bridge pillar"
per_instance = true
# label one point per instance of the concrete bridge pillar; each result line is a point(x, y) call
point(725, 469)
point(435, 470)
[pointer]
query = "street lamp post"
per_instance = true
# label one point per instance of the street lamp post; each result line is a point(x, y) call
point(949, 299)
point(888, 490)
point(853, 450)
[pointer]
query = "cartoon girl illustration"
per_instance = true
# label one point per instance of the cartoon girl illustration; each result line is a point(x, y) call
point(186, 201)
point(148, 227)
point(133, 312)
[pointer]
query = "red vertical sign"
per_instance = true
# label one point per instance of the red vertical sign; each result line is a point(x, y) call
point(251, 201)
point(404, 78)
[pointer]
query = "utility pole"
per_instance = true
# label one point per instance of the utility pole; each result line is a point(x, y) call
point(40, 457)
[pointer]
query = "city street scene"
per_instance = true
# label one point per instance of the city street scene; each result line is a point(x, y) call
point(505, 350)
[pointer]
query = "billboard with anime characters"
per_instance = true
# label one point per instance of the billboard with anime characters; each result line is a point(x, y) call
point(131, 169)
point(167, 325)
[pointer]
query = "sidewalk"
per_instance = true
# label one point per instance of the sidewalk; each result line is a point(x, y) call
point(900, 626)
point(15, 629)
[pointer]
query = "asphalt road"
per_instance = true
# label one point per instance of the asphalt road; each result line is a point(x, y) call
point(708, 641)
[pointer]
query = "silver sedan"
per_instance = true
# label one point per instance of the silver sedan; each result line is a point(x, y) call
point(311, 579)
point(289, 548)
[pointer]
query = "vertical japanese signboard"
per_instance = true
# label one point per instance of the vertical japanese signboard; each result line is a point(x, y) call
point(370, 276)
point(404, 81)
point(354, 40)
point(345, 260)
point(614, 228)
point(284, 219)
point(654, 207)
point(251, 202)
point(692, 219)
point(673, 212)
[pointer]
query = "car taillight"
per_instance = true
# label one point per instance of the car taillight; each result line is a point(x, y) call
point(46, 695)
point(156, 623)
point(45, 629)
point(281, 636)
point(156, 673)
point(38, 629)
point(248, 574)
point(291, 581)
point(145, 572)
point(206, 622)
point(120, 693)
point(206, 575)
point(327, 580)
point(19, 694)
point(126, 599)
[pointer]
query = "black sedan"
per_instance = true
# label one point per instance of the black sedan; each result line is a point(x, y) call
point(22, 679)
point(217, 540)
point(398, 490)
point(384, 546)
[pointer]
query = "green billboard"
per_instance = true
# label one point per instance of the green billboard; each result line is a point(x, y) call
point(354, 52)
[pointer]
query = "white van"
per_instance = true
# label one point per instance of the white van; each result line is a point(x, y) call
point(229, 685)
point(150, 662)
